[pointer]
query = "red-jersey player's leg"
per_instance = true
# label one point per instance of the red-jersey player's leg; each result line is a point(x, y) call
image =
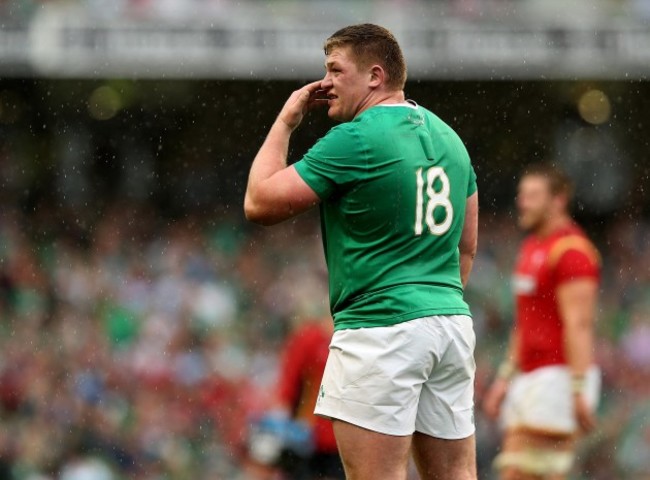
point(534, 455)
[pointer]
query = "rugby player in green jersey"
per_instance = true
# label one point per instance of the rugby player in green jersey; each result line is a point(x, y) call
point(398, 203)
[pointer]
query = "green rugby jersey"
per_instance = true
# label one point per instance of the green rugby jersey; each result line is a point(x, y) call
point(393, 184)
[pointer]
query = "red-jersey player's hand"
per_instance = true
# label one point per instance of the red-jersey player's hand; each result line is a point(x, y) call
point(584, 415)
point(494, 398)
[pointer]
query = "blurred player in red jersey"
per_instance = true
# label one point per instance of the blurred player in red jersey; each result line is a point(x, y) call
point(303, 444)
point(548, 386)
point(303, 362)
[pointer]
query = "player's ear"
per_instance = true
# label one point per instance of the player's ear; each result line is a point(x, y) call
point(561, 201)
point(377, 76)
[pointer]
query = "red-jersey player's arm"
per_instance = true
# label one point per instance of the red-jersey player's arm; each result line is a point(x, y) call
point(577, 273)
point(512, 355)
point(577, 304)
point(495, 395)
point(290, 381)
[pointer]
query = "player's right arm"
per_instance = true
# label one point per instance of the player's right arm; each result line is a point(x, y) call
point(275, 191)
point(497, 392)
point(469, 238)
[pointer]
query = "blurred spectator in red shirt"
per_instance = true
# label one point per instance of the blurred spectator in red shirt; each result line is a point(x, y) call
point(303, 360)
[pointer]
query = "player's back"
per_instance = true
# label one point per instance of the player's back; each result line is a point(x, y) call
point(392, 228)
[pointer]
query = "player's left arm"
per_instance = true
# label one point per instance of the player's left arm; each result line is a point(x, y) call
point(276, 192)
point(469, 238)
point(577, 297)
point(577, 301)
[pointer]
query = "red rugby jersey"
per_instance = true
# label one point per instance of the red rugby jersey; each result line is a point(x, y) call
point(303, 362)
point(543, 265)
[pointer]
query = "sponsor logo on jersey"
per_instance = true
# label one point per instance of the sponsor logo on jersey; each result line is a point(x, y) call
point(524, 284)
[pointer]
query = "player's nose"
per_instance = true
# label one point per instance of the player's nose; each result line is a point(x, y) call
point(326, 82)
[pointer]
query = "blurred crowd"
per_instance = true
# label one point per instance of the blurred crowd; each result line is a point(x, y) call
point(135, 346)
point(183, 10)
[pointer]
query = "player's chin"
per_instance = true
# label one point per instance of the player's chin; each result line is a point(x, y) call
point(523, 222)
point(334, 114)
point(338, 115)
point(527, 224)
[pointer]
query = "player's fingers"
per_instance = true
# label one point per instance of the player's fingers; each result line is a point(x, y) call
point(495, 408)
point(313, 86)
point(297, 102)
point(491, 406)
point(292, 100)
point(316, 102)
point(299, 96)
point(590, 423)
point(587, 422)
point(489, 410)
point(305, 93)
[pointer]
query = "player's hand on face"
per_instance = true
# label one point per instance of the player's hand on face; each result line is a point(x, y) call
point(299, 103)
point(584, 415)
point(494, 398)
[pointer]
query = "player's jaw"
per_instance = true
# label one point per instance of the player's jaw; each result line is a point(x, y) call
point(343, 105)
point(341, 108)
point(533, 216)
point(330, 95)
point(530, 220)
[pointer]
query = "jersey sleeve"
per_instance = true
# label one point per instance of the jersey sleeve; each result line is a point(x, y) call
point(577, 261)
point(335, 162)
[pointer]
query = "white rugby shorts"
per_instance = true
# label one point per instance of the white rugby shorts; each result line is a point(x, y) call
point(413, 376)
point(542, 399)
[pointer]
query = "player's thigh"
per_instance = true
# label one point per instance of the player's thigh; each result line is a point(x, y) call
point(438, 458)
point(369, 455)
point(535, 455)
point(446, 406)
point(521, 438)
point(515, 474)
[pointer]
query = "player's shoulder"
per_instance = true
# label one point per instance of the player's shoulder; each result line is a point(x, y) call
point(433, 119)
point(338, 139)
point(343, 128)
point(572, 239)
point(442, 130)
point(342, 132)
point(572, 234)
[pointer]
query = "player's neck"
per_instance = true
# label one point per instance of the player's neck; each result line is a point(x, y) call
point(383, 97)
point(553, 224)
point(391, 97)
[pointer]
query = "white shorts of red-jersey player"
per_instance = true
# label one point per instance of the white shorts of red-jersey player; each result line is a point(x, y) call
point(541, 401)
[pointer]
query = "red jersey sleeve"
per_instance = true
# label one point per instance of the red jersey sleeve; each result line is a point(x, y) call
point(577, 261)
